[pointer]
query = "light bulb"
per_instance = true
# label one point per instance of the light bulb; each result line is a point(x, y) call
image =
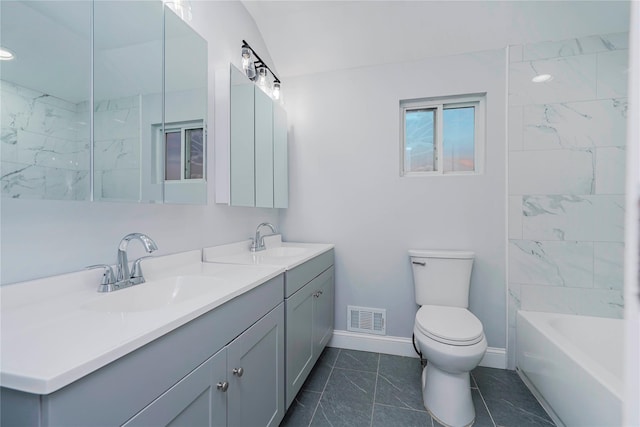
point(6, 54)
point(541, 78)
point(276, 91)
point(247, 63)
point(262, 78)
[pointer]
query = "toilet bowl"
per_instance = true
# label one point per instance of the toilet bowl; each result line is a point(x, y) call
point(452, 341)
point(447, 334)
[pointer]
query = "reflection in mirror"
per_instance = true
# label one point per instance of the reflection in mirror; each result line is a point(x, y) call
point(128, 39)
point(44, 99)
point(183, 142)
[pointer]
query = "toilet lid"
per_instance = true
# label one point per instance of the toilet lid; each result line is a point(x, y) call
point(449, 325)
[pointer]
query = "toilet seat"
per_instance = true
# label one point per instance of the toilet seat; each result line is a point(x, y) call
point(449, 325)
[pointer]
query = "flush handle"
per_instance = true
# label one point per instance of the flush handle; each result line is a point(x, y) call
point(422, 263)
point(222, 386)
point(238, 372)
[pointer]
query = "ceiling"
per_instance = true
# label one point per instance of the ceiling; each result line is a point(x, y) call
point(306, 37)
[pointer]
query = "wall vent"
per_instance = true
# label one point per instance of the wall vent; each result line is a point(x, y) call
point(365, 319)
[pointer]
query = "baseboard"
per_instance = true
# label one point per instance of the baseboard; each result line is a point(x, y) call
point(401, 346)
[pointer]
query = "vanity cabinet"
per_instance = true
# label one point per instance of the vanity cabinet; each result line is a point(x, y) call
point(258, 156)
point(174, 379)
point(309, 306)
point(241, 385)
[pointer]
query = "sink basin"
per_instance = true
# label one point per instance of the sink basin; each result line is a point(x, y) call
point(155, 294)
point(282, 251)
point(285, 254)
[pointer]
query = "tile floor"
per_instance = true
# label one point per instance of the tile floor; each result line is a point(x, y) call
point(357, 388)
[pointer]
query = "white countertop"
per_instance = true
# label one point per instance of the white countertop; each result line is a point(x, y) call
point(284, 254)
point(50, 338)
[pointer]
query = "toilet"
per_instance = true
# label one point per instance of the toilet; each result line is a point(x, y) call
point(448, 335)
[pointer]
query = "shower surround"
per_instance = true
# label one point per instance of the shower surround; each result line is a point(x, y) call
point(566, 177)
point(45, 146)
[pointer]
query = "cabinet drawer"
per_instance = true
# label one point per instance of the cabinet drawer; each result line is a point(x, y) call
point(299, 276)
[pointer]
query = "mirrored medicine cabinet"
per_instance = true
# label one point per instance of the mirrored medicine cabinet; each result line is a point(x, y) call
point(258, 150)
point(120, 116)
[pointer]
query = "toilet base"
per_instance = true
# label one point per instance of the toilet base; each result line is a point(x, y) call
point(447, 396)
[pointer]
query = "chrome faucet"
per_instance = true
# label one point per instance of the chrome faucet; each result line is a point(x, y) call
point(258, 241)
point(122, 267)
point(123, 277)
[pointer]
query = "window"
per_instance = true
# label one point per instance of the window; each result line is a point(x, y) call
point(184, 151)
point(442, 136)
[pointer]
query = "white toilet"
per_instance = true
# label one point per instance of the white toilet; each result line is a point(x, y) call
point(448, 335)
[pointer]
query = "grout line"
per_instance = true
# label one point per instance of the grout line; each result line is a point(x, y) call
point(375, 390)
point(324, 388)
point(483, 401)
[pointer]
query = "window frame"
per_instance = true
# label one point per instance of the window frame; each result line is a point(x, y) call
point(181, 127)
point(440, 104)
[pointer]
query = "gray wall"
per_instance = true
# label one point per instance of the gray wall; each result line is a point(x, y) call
point(346, 187)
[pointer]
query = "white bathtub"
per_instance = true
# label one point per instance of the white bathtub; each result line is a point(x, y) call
point(574, 365)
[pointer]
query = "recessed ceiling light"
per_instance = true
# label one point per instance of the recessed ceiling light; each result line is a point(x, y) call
point(6, 54)
point(541, 78)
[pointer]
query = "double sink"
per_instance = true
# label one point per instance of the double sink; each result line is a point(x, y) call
point(160, 291)
point(58, 329)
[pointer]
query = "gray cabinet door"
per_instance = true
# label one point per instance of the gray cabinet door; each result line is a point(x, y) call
point(256, 373)
point(300, 345)
point(193, 402)
point(323, 310)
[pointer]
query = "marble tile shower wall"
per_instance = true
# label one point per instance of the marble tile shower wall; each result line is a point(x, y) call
point(566, 177)
point(117, 148)
point(44, 146)
point(45, 152)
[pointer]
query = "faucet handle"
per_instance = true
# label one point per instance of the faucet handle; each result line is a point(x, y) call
point(136, 269)
point(108, 277)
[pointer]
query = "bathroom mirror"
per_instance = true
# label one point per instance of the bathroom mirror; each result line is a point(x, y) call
point(185, 113)
point(45, 94)
point(144, 70)
point(258, 146)
point(128, 37)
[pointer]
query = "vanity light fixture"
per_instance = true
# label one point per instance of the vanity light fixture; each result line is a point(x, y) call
point(276, 91)
point(541, 78)
point(6, 54)
point(249, 65)
point(262, 79)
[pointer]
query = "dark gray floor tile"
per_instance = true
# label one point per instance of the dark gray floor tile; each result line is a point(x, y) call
point(301, 410)
point(483, 419)
point(320, 373)
point(389, 416)
point(336, 412)
point(359, 360)
point(399, 382)
point(509, 401)
point(317, 378)
point(329, 356)
point(351, 386)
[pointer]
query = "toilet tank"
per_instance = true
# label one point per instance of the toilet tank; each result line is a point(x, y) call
point(441, 277)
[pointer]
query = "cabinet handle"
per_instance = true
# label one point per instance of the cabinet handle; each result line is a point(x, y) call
point(316, 294)
point(422, 263)
point(223, 386)
point(238, 372)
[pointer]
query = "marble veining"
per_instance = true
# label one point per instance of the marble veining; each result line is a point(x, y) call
point(500, 398)
point(566, 183)
point(44, 146)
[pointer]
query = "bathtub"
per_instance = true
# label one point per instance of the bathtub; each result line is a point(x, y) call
point(574, 366)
